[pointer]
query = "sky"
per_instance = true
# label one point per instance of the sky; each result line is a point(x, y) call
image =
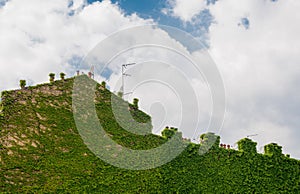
point(254, 43)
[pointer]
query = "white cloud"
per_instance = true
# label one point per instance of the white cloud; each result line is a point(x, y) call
point(159, 76)
point(260, 67)
point(38, 37)
point(186, 10)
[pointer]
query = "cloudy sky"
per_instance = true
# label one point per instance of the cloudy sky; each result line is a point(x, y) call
point(254, 43)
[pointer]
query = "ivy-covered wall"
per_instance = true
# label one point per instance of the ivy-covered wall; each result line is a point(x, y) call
point(247, 145)
point(273, 149)
point(42, 152)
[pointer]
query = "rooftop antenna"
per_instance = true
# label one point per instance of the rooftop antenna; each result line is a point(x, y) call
point(124, 66)
point(252, 135)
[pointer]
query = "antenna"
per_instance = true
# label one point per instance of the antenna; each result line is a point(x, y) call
point(124, 66)
point(252, 135)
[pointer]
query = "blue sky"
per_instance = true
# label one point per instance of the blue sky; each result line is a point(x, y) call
point(153, 9)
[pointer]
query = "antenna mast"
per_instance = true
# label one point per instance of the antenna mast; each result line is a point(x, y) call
point(252, 135)
point(124, 66)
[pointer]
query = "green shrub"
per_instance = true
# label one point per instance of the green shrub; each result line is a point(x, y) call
point(103, 84)
point(167, 133)
point(52, 77)
point(62, 76)
point(170, 132)
point(136, 103)
point(247, 145)
point(22, 84)
point(273, 149)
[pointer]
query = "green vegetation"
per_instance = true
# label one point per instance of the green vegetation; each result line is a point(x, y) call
point(62, 76)
point(273, 149)
point(169, 132)
point(209, 142)
point(136, 103)
point(247, 145)
point(42, 152)
point(52, 77)
point(22, 84)
point(1, 109)
point(103, 84)
point(120, 94)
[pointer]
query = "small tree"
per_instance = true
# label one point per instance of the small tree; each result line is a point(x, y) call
point(52, 77)
point(62, 76)
point(136, 103)
point(22, 84)
point(103, 84)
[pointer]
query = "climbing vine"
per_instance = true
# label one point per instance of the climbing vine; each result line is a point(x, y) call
point(42, 152)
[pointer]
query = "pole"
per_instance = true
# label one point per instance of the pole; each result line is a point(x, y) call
point(252, 135)
point(123, 75)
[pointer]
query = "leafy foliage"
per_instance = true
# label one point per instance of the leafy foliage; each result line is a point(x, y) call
point(273, 149)
point(169, 132)
point(136, 103)
point(52, 77)
point(42, 152)
point(210, 139)
point(62, 76)
point(22, 83)
point(103, 84)
point(247, 145)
